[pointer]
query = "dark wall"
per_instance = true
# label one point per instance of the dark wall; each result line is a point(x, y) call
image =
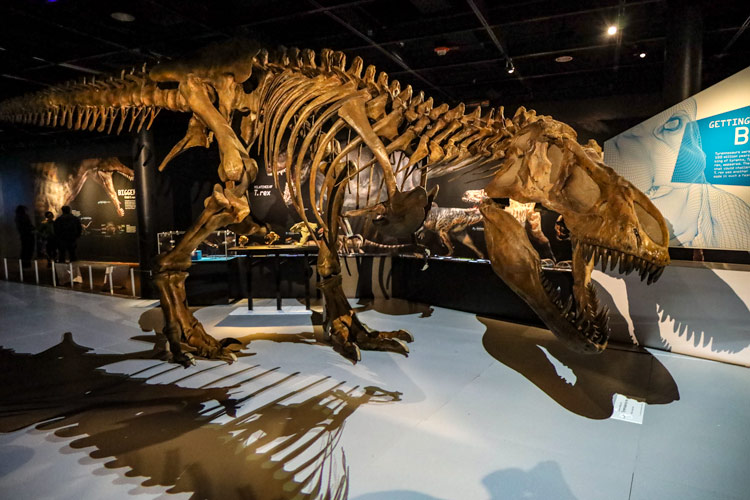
point(17, 187)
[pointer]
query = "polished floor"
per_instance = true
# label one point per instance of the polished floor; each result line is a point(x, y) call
point(479, 409)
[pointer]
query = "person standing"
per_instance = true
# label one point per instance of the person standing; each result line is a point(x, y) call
point(67, 231)
point(47, 237)
point(26, 232)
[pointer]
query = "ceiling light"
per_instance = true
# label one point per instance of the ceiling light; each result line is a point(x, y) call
point(511, 69)
point(563, 59)
point(442, 50)
point(612, 30)
point(123, 17)
point(642, 55)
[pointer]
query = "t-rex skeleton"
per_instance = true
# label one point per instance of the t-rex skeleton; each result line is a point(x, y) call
point(51, 193)
point(299, 103)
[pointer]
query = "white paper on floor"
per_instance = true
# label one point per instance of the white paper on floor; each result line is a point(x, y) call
point(627, 409)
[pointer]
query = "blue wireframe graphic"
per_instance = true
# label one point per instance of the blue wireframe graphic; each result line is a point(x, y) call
point(665, 158)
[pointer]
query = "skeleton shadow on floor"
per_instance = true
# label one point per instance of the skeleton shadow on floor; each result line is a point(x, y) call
point(278, 436)
point(582, 383)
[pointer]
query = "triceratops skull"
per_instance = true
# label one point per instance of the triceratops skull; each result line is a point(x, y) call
point(608, 218)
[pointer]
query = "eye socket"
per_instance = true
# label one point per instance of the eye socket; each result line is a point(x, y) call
point(580, 190)
point(673, 124)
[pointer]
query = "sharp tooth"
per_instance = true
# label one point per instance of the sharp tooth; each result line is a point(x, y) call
point(658, 274)
point(623, 264)
point(653, 269)
point(643, 272)
point(605, 258)
point(588, 250)
point(629, 264)
point(616, 256)
point(568, 305)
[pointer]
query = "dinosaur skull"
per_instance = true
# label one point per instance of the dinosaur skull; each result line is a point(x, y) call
point(401, 215)
point(609, 220)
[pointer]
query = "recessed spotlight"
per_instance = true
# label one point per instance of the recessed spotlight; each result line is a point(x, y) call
point(123, 17)
point(612, 30)
point(442, 50)
point(511, 70)
point(642, 55)
point(563, 59)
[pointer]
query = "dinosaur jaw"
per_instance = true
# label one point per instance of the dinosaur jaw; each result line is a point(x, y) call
point(577, 320)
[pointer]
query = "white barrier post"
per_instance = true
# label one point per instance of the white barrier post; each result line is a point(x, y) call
point(91, 278)
point(5, 263)
point(70, 270)
point(111, 285)
point(132, 281)
point(36, 271)
point(54, 278)
point(20, 269)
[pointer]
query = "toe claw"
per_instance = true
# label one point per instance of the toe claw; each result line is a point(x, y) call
point(405, 336)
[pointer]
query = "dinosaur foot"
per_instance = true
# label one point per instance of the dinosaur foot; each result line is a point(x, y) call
point(201, 344)
point(349, 336)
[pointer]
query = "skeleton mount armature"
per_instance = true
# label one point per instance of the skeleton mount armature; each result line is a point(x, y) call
point(307, 114)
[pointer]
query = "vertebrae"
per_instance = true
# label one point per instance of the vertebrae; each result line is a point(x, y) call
point(133, 99)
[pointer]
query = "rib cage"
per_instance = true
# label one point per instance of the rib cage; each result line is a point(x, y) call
point(298, 96)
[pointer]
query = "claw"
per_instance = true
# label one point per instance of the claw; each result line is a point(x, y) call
point(185, 359)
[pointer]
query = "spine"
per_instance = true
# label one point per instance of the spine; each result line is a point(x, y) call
point(133, 100)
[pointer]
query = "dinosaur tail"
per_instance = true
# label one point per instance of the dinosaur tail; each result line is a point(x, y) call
point(132, 100)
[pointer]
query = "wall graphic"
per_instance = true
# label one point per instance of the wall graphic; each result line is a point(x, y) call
point(99, 190)
point(693, 162)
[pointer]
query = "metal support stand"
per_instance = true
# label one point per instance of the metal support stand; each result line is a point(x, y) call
point(277, 262)
point(5, 263)
point(91, 278)
point(132, 281)
point(70, 270)
point(54, 277)
point(20, 269)
point(36, 271)
point(249, 279)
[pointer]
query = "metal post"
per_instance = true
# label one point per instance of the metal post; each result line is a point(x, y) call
point(91, 278)
point(20, 269)
point(278, 280)
point(111, 286)
point(132, 281)
point(249, 278)
point(54, 278)
point(5, 263)
point(36, 271)
point(70, 270)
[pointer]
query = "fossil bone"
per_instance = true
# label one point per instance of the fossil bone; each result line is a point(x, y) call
point(532, 158)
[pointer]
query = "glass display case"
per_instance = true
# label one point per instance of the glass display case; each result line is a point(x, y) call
point(214, 246)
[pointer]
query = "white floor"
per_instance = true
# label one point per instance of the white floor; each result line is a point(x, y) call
point(479, 409)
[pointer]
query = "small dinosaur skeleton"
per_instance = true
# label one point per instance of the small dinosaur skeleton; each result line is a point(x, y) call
point(306, 106)
point(448, 221)
point(52, 193)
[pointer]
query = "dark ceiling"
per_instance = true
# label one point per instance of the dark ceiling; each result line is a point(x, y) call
point(49, 42)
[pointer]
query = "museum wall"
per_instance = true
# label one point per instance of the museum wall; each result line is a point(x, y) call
point(693, 162)
point(94, 177)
